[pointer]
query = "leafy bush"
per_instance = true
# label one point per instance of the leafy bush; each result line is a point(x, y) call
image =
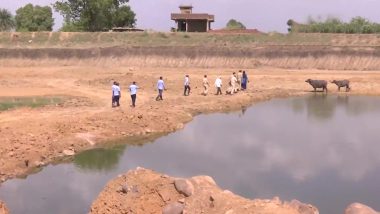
point(235, 25)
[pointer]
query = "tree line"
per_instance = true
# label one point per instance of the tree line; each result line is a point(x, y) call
point(357, 25)
point(79, 15)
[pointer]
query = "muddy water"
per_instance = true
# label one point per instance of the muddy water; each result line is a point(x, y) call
point(322, 150)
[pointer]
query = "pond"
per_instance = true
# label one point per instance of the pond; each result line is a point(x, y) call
point(322, 150)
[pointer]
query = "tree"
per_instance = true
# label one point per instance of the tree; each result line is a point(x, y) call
point(95, 15)
point(233, 25)
point(124, 17)
point(7, 22)
point(34, 18)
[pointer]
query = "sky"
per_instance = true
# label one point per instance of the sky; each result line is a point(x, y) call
point(265, 15)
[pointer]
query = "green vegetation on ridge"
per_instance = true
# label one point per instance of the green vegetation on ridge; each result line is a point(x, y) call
point(154, 39)
point(357, 25)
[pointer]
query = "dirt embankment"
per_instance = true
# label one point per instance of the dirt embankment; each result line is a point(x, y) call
point(145, 191)
point(3, 208)
point(280, 56)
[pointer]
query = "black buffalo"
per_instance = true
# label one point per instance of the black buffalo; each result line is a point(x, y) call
point(317, 84)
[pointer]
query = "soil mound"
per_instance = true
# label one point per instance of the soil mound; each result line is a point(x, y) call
point(145, 191)
point(3, 208)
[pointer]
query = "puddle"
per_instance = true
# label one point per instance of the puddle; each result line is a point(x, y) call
point(320, 149)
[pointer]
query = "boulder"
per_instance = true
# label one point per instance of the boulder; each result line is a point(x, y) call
point(357, 208)
point(184, 187)
point(173, 208)
point(301, 207)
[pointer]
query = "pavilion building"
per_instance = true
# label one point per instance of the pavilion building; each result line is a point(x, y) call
point(187, 21)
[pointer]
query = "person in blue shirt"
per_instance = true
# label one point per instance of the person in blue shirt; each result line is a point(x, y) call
point(244, 81)
point(160, 88)
point(133, 89)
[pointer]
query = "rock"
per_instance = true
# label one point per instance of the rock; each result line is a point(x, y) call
point(39, 163)
point(134, 189)
point(303, 208)
point(203, 180)
point(3, 208)
point(173, 208)
point(276, 200)
point(180, 126)
point(164, 194)
point(229, 212)
point(26, 162)
point(140, 168)
point(357, 208)
point(125, 189)
point(68, 152)
point(158, 193)
point(184, 186)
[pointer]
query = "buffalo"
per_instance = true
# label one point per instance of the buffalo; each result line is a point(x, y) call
point(342, 83)
point(317, 84)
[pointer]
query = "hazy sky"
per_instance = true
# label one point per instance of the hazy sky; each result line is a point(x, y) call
point(265, 15)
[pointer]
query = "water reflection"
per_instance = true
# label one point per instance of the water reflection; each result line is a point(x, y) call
point(320, 149)
point(99, 159)
point(322, 107)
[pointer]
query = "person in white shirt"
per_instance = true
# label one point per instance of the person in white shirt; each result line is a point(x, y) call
point(205, 85)
point(116, 94)
point(186, 92)
point(218, 85)
point(239, 77)
point(160, 88)
point(233, 83)
point(133, 89)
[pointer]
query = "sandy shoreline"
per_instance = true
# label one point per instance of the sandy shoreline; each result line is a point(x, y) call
point(85, 120)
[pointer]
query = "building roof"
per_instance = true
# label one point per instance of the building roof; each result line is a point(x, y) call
point(186, 6)
point(192, 16)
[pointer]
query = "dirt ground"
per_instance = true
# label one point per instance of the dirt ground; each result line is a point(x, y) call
point(35, 137)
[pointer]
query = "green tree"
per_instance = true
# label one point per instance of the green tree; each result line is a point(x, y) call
point(124, 17)
point(95, 15)
point(7, 22)
point(34, 18)
point(233, 25)
point(290, 24)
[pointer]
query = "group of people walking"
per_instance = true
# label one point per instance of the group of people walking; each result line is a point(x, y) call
point(116, 94)
point(237, 82)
